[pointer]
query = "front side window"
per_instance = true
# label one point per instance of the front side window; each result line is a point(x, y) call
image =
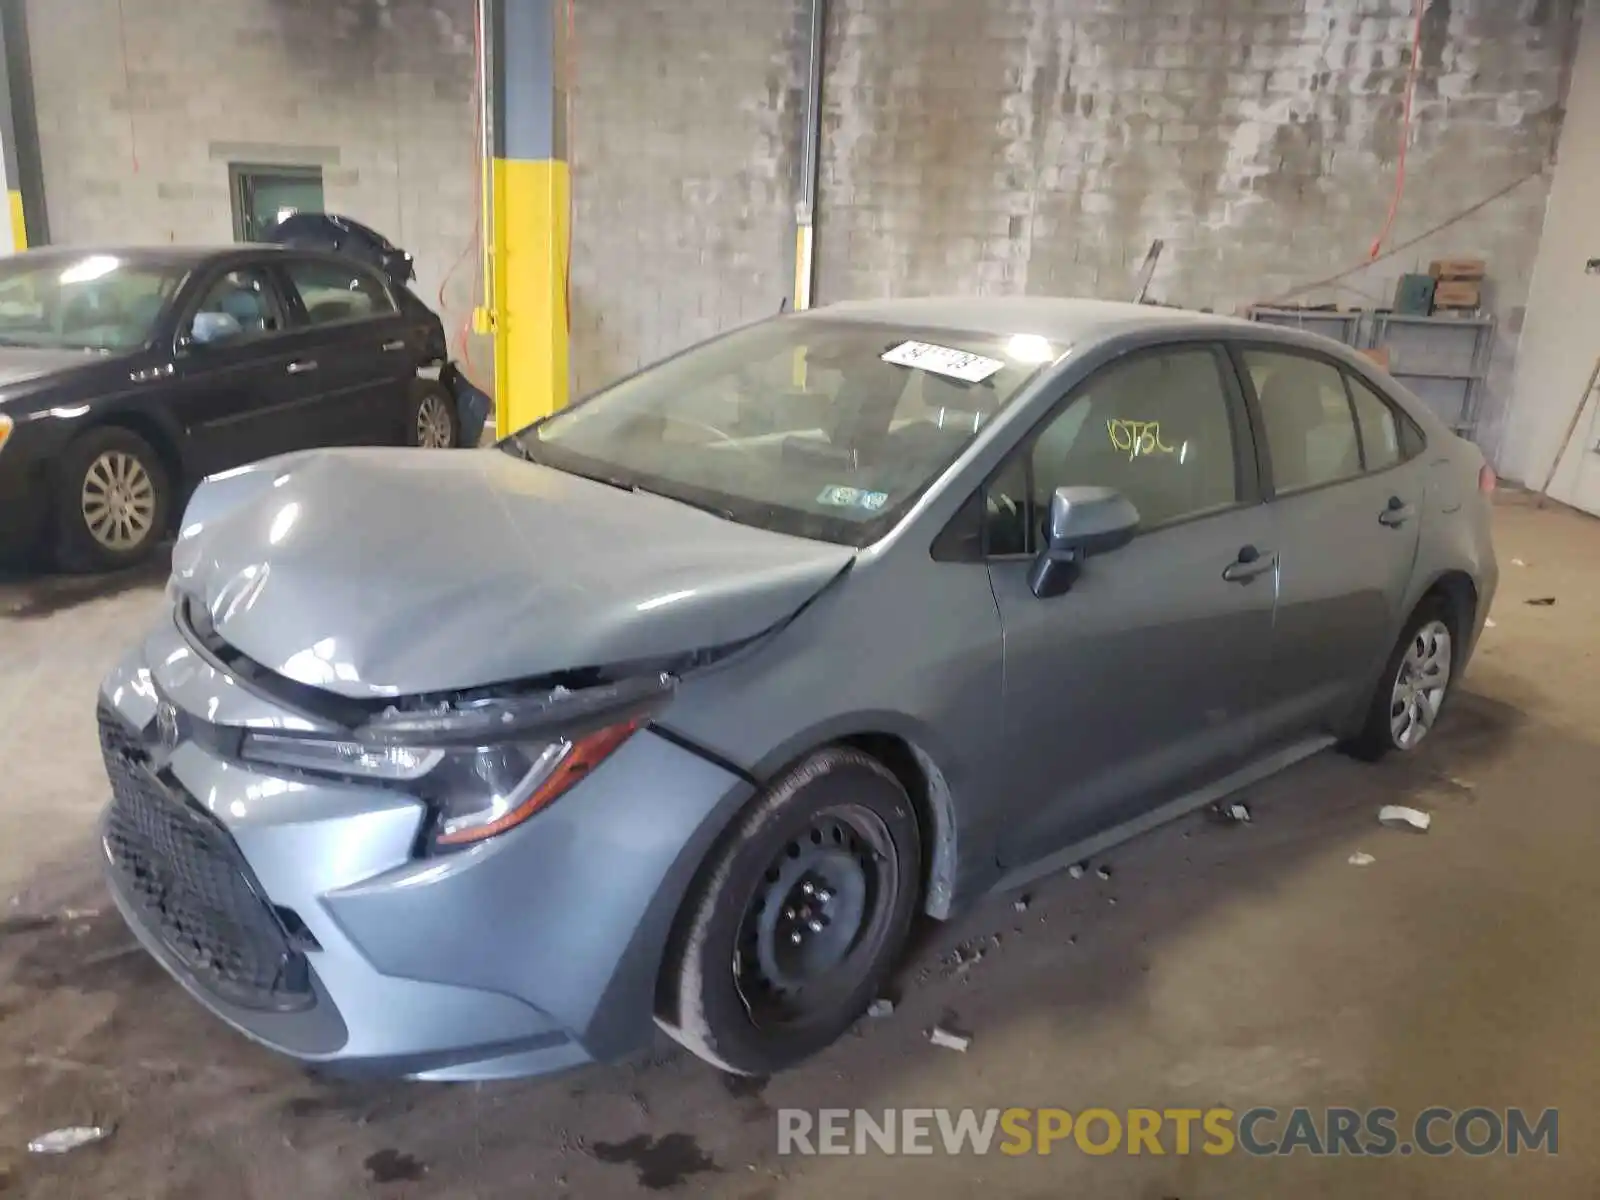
point(239, 307)
point(333, 292)
point(1155, 428)
point(812, 426)
point(88, 302)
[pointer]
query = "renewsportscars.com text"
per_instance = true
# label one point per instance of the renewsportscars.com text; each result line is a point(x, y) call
point(1260, 1131)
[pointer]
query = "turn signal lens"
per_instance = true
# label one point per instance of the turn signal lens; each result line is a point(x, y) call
point(5, 430)
point(556, 770)
point(1486, 479)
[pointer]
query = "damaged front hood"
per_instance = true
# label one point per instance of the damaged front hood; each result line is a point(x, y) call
point(374, 573)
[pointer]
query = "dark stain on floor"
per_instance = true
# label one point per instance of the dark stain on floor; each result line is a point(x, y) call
point(662, 1163)
point(391, 1166)
point(34, 597)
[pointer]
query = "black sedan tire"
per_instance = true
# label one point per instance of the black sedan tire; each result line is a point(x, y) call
point(431, 418)
point(798, 919)
point(113, 501)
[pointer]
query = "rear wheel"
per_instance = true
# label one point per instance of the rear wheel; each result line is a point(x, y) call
point(799, 918)
point(1413, 688)
point(112, 501)
point(431, 420)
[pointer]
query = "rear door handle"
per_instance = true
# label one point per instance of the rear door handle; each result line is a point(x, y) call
point(1397, 514)
point(1250, 563)
point(302, 366)
point(397, 344)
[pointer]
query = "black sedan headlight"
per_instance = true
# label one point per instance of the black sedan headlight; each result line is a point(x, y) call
point(483, 768)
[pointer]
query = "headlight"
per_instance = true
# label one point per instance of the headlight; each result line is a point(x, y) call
point(6, 425)
point(482, 768)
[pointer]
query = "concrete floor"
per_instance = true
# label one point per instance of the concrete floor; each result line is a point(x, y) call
point(1239, 965)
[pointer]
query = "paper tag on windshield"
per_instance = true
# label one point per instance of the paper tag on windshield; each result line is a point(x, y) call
point(942, 360)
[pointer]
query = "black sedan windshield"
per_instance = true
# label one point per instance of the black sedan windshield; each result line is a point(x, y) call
point(821, 428)
point(94, 302)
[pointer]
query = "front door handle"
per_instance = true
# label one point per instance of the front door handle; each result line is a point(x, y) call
point(1397, 513)
point(301, 366)
point(397, 344)
point(1250, 563)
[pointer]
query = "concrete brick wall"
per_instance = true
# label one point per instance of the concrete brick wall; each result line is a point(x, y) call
point(970, 145)
point(685, 135)
point(140, 115)
point(1040, 145)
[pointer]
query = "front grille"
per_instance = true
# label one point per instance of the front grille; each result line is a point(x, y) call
point(192, 887)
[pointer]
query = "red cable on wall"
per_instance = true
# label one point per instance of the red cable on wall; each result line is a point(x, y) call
point(1405, 133)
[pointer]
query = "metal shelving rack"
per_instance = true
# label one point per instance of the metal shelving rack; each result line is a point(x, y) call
point(1444, 360)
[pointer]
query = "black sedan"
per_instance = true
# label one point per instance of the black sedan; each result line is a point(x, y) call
point(127, 375)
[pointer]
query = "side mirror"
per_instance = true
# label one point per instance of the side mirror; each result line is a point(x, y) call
point(1083, 521)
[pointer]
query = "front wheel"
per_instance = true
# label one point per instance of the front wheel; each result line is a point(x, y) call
point(1412, 691)
point(112, 501)
point(799, 918)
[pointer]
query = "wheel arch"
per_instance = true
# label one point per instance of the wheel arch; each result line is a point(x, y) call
point(914, 756)
point(1456, 591)
point(886, 738)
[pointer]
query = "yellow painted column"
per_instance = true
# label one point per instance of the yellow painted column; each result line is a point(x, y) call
point(531, 364)
point(530, 204)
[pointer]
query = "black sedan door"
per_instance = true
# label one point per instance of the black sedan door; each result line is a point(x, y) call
point(355, 346)
point(233, 388)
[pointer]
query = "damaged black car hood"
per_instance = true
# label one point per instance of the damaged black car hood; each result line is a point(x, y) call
point(375, 573)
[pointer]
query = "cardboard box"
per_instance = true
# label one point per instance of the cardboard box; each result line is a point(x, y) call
point(1457, 268)
point(1456, 293)
point(1379, 355)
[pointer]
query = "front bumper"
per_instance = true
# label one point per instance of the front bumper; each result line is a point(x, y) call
point(25, 488)
point(299, 911)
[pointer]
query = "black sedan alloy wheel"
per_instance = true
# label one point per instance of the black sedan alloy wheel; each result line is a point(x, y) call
point(112, 501)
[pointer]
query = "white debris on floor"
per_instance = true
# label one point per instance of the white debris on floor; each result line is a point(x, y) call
point(1399, 816)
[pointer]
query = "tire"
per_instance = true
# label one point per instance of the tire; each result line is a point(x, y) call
point(431, 418)
point(743, 938)
point(1378, 735)
point(114, 472)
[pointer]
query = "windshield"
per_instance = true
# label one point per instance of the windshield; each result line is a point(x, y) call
point(821, 428)
point(97, 302)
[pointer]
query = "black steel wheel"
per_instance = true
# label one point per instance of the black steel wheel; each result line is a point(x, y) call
point(798, 919)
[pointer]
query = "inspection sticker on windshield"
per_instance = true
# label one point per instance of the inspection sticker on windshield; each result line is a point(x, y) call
point(838, 496)
point(942, 360)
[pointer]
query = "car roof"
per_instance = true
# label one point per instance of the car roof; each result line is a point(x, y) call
point(155, 256)
point(1065, 321)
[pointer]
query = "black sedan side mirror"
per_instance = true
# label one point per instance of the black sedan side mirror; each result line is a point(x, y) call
point(1083, 521)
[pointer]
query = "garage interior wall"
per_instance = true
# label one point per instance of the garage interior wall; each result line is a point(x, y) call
point(969, 145)
point(142, 105)
point(1561, 339)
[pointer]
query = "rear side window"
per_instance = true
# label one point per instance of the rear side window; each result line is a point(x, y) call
point(1310, 431)
point(1380, 428)
point(334, 292)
